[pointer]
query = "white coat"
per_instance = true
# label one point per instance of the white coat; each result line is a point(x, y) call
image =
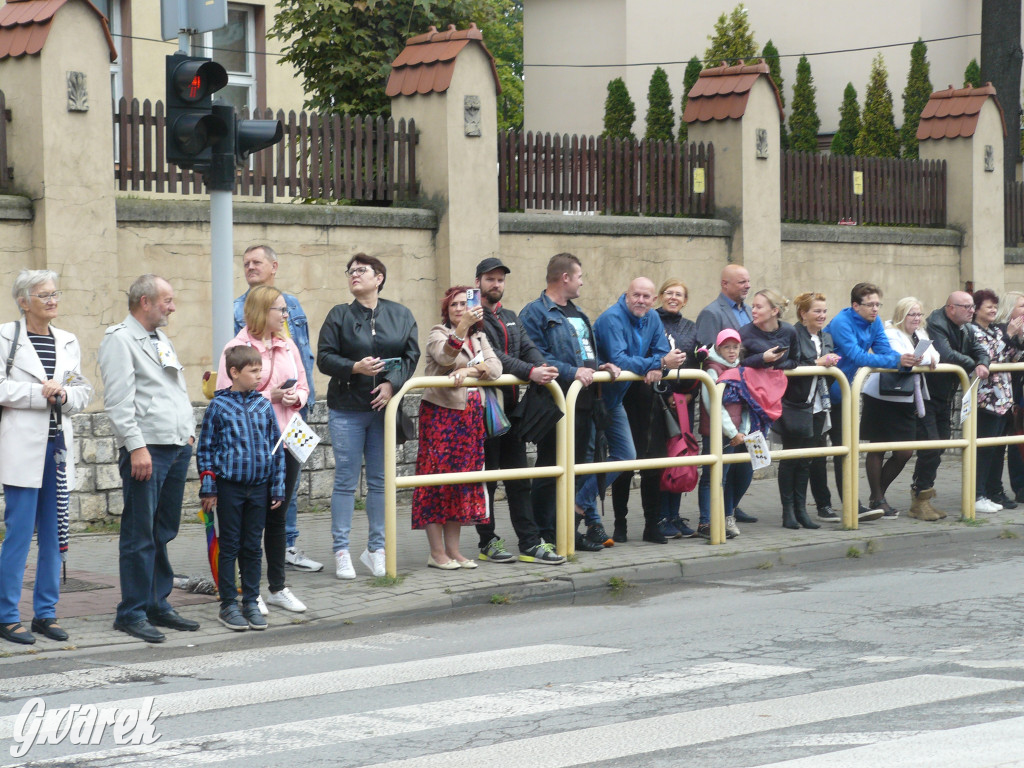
point(25, 426)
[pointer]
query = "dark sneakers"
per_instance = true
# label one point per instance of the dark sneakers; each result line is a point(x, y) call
point(1003, 500)
point(253, 617)
point(542, 553)
point(619, 535)
point(743, 517)
point(829, 515)
point(598, 535)
point(231, 617)
point(495, 552)
point(655, 536)
point(668, 529)
point(703, 530)
point(583, 544)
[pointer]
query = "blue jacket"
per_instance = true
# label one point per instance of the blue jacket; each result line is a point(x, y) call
point(298, 327)
point(860, 345)
point(635, 344)
point(555, 337)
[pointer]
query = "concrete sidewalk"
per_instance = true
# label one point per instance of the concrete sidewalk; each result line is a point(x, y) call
point(89, 598)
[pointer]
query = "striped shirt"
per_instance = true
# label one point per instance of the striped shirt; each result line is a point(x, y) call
point(46, 350)
point(239, 432)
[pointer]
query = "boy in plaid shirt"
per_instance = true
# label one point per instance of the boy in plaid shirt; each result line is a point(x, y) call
point(240, 475)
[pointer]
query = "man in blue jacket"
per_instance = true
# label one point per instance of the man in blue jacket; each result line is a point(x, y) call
point(565, 338)
point(632, 337)
point(259, 263)
point(860, 341)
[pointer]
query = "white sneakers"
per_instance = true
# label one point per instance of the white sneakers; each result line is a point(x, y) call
point(296, 558)
point(343, 565)
point(262, 606)
point(731, 529)
point(374, 561)
point(285, 599)
point(986, 505)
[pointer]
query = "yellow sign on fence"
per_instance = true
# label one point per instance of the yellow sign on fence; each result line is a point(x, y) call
point(698, 181)
point(858, 182)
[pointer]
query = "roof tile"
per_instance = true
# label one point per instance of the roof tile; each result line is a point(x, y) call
point(721, 93)
point(25, 24)
point(427, 63)
point(953, 113)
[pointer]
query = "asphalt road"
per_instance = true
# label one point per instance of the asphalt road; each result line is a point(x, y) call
point(875, 661)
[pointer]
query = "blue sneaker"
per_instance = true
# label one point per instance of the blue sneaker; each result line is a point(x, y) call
point(681, 524)
point(668, 530)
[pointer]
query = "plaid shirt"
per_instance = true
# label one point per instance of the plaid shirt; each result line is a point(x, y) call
point(239, 432)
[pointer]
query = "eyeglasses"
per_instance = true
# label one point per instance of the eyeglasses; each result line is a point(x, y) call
point(964, 306)
point(872, 305)
point(282, 310)
point(47, 297)
point(358, 271)
point(915, 314)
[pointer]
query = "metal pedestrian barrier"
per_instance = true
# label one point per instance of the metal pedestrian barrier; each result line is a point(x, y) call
point(986, 442)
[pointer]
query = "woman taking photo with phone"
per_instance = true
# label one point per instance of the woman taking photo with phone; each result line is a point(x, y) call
point(283, 383)
point(355, 341)
point(452, 429)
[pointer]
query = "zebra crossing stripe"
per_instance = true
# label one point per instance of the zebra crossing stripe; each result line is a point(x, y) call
point(653, 734)
point(396, 721)
point(337, 681)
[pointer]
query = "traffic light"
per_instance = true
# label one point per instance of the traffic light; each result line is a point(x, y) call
point(254, 135)
point(191, 125)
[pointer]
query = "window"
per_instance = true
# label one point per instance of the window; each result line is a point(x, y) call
point(112, 10)
point(234, 48)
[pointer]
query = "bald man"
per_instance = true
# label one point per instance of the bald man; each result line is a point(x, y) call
point(632, 338)
point(728, 310)
point(947, 327)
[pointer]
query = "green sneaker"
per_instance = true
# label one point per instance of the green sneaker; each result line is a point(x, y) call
point(495, 552)
point(542, 553)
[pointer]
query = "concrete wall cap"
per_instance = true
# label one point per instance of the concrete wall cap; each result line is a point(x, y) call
point(612, 225)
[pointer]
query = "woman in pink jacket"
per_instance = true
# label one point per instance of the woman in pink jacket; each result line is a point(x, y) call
point(265, 314)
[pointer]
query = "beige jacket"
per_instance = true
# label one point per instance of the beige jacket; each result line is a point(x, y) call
point(442, 359)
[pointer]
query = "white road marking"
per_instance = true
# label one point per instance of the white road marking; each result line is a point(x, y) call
point(397, 721)
point(989, 745)
point(610, 742)
point(1007, 664)
point(849, 738)
point(324, 683)
point(94, 677)
point(882, 659)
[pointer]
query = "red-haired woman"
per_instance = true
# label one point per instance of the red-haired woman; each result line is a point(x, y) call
point(451, 434)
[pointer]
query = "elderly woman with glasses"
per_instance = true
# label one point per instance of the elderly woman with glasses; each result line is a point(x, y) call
point(889, 415)
point(284, 384)
point(40, 382)
point(369, 348)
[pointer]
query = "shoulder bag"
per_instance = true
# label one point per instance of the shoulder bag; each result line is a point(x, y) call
point(10, 355)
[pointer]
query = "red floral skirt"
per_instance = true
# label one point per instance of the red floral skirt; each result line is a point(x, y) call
point(450, 441)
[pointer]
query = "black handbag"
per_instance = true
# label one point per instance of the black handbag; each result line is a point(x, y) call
point(405, 427)
point(672, 428)
point(797, 420)
point(895, 384)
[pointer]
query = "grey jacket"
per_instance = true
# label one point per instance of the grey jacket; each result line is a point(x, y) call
point(714, 318)
point(147, 403)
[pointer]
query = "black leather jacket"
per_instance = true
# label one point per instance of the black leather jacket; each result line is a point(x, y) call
point(352, 332)
point(798, 389)
point(955, 344)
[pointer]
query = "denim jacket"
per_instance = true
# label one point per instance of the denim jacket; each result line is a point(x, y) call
point(555, 337)
point(298, 327)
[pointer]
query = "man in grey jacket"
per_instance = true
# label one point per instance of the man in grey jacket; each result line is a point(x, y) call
point(149, 408)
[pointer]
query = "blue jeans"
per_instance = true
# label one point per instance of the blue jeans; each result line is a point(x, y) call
point(152, 512)
point(241, 514)
point(28, 510)
point(355, 436)
point(735, 481)
point(620, 448)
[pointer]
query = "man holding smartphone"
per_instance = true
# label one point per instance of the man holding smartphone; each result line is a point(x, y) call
point(519, 357)
point(259, 263)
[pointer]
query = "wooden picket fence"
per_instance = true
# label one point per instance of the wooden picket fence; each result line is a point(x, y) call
point(6, 172)
point(327, 157)
point(612, 176)
point(823, 189)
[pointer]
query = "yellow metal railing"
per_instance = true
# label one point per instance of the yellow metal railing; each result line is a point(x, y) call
point(987, 442)
point(966, 443)
point(392, 482)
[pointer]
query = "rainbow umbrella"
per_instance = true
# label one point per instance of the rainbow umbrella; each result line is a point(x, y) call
point(212, 546)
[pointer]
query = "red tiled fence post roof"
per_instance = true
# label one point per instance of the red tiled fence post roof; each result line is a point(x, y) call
point(25, 24)
point(721, 93)
point(427, 62)
point(953, 113)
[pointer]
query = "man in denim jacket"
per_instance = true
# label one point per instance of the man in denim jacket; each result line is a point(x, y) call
point(259, 263)
point(565, 338)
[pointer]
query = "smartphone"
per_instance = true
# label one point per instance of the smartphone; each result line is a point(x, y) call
point(472, 298)
point(289, 384)
point(392, 364)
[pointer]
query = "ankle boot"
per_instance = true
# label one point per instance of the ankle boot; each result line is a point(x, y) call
point(788, 518)
point(800, 505)
point(803, 518)
point(921, 508)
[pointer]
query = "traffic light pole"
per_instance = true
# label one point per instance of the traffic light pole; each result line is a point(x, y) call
point(220, 180)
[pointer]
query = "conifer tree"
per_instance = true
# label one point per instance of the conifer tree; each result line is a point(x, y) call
point(770, 54)
point(878, 137)
point(693, 68)
point(803, 118)
point(972, 75)
point(915, 96)
point(619, 111)
point(733, 39)
point(660, 118)
point(849, 123)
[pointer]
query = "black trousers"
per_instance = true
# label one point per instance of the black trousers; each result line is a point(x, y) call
point(795, 473)
point(241, 513)
point(647, 424)
point(508, 452)
point(274, 538)
point(542, 494)
point(927, 465)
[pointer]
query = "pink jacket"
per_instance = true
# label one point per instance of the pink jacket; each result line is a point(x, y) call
point(280, 363)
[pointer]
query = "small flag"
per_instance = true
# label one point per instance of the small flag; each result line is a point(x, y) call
point(299, 438)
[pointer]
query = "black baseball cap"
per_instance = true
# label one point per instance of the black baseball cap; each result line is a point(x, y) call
point(490, 264)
